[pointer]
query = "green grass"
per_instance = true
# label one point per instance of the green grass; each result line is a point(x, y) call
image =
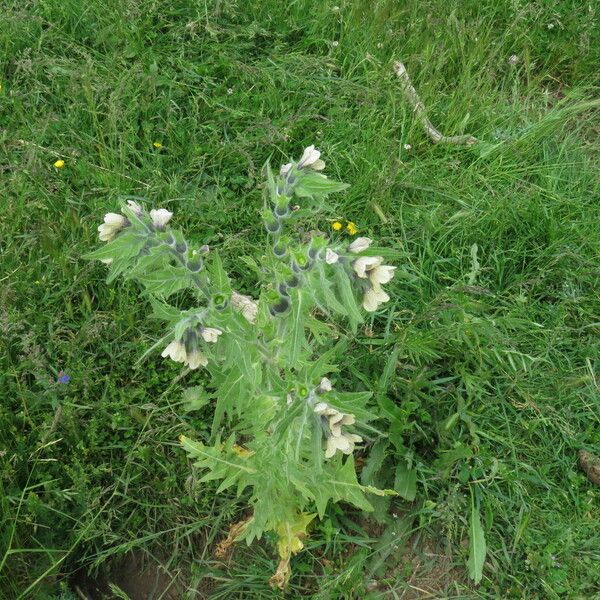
point(495, 310)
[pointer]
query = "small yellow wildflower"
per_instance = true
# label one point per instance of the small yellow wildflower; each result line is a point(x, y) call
point(352, 228)
point(59, 164)
point(336, 226)
point(157, 145)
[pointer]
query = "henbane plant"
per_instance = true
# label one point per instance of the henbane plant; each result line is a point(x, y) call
point(283, 435)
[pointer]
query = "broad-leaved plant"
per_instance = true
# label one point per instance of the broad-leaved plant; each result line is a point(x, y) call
point(283, 435)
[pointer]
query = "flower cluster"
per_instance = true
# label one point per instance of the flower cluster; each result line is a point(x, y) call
point(186, 350)
point(333, 419)
point(114, 222)
point(372, 269)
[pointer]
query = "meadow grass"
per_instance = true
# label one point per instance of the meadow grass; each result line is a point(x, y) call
point(495, 315)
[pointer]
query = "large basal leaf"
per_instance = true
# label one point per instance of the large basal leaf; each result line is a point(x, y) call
point(477, 546)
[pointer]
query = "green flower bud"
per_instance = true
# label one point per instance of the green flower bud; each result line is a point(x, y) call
point(273, 226)
point(279, 250)
point(282, 211)
point(195, 266)
point(293, 282)
point(220, 301)
point(280, 307)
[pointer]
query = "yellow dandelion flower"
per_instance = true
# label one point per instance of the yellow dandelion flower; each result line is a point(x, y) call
point(157, 145)
point(336, 226)
point(59, 164)
point(352, 228)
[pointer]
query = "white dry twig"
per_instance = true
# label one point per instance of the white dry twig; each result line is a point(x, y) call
point(419, 109)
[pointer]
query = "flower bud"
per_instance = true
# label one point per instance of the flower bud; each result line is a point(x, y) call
point(134, 207)
point(160, 217)
point(280, 307)
point(302, 264)
point(195, 266)
point(279, 250)
point(293, 282)
point(282, 210)
point(181, 247)
point(273, 226)
point(220, 301)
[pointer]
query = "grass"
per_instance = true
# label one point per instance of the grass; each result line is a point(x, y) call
point(495, 312)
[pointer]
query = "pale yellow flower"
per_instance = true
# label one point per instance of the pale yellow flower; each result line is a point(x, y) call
point(364, 264)
point(160, 217)
point(360, 245)
point(113, 223)
point(310, 158)
point(331, 257)
point(373, 298)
